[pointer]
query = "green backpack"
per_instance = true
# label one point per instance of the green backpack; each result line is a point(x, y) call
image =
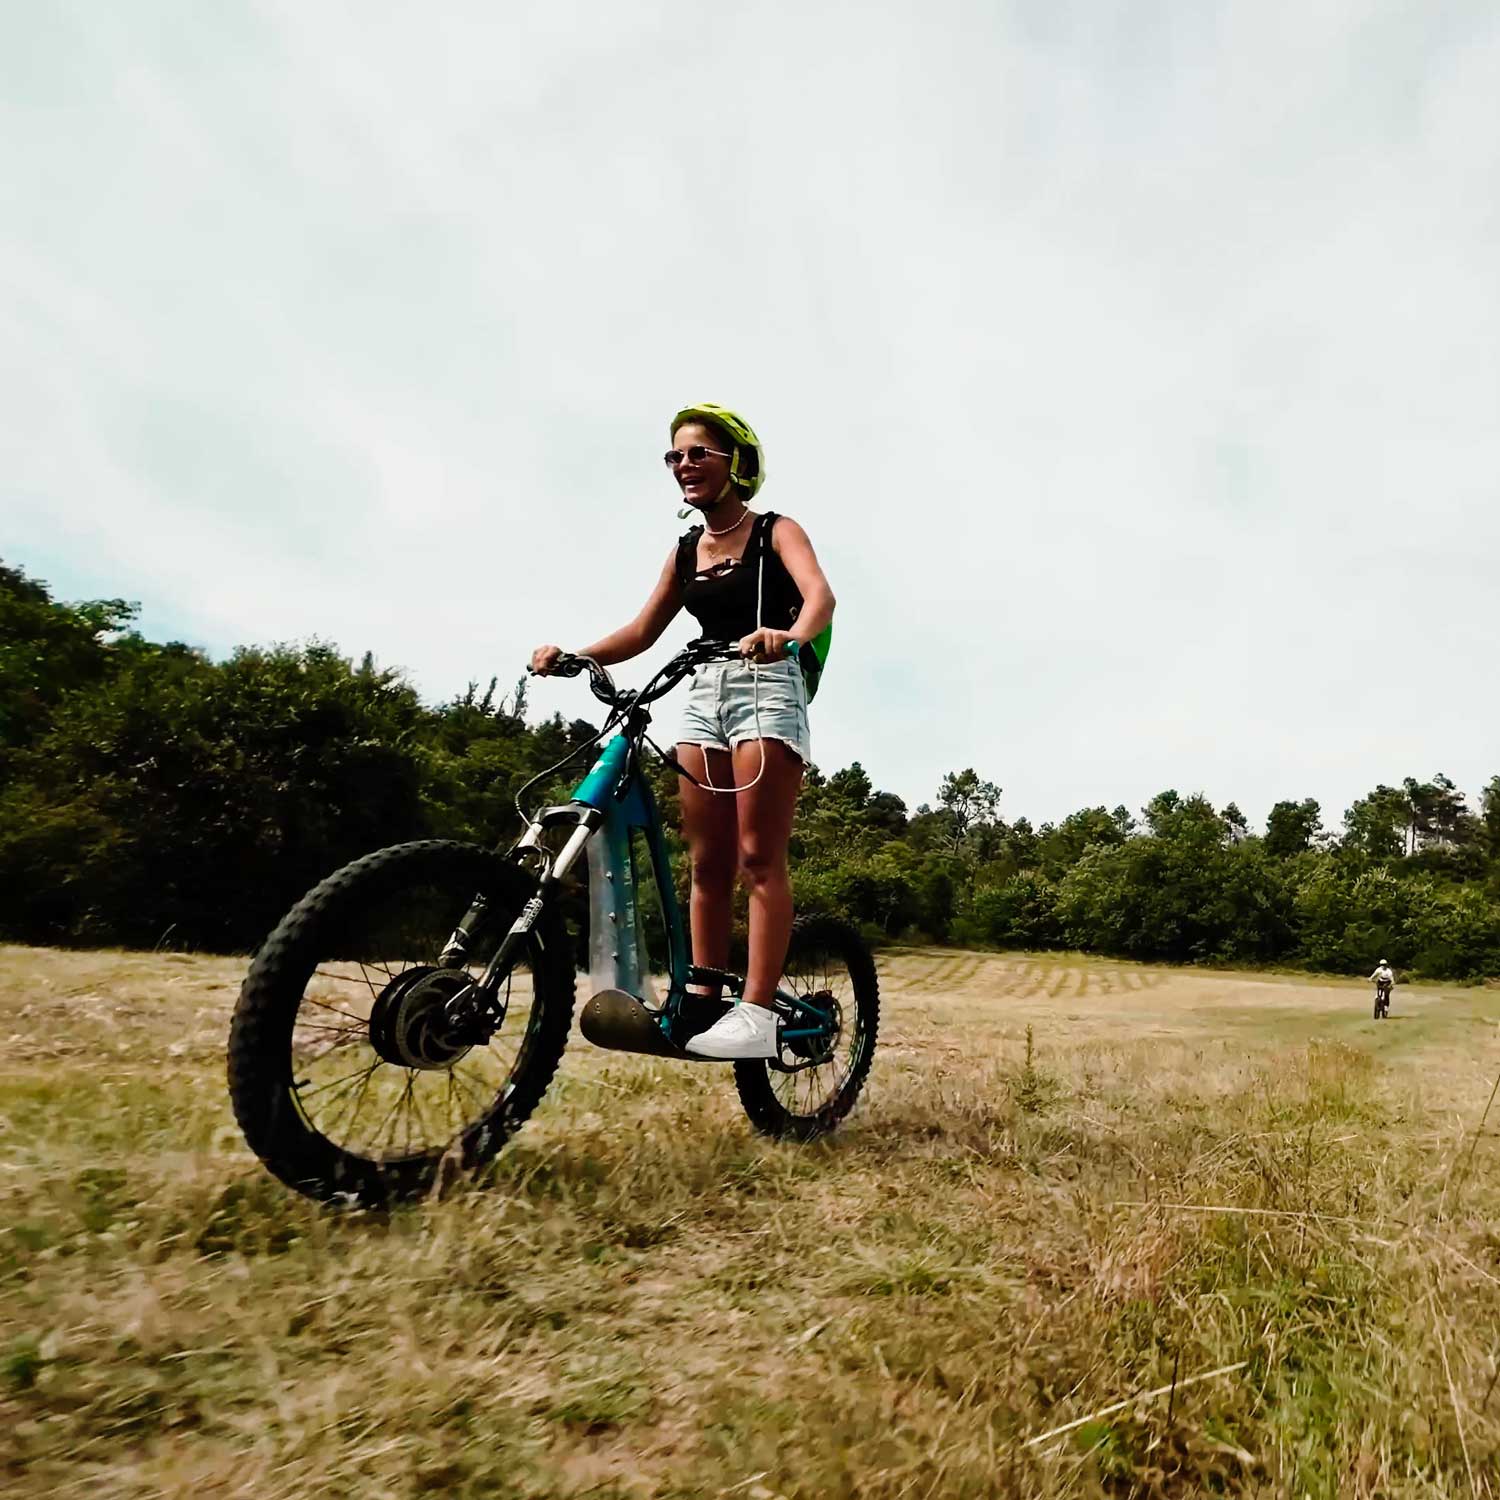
point(812, 657)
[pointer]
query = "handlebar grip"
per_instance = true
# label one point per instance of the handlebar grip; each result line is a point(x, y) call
point(564, 666)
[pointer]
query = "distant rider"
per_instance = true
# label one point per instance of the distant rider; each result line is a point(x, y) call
point(1384, 977)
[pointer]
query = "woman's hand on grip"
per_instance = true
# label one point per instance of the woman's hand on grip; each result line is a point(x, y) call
point(544, 659)
point(765, 644)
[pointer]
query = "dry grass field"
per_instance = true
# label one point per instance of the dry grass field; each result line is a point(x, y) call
point(1238, 1192)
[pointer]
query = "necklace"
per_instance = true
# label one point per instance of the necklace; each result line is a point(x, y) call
point(744, 516)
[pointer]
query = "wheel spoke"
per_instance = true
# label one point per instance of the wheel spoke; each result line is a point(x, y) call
point(360, 1093)
point(340, 978)
point(305, 1093)
point(441, 1137)
point(385, 1133)
point(353, 1089)
point(483, 1091)
point(324, 1005)
point(360, 1028)
point(406, 1114)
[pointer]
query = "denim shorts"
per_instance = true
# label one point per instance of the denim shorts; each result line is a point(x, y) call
point(721, 706)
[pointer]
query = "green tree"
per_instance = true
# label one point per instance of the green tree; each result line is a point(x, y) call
point(1020, 912)
point(1439, 816)
point(48, 650)
point(1023, 843)
point(845, 812)
point(206, 798)
point(1169, 815)
point(1291, 827)
point(1061, 847)
point(968, 801)
point(1375, 826)
point(147, 791)
point(1182, 891)
point(1235, 822)
point(1489, 817)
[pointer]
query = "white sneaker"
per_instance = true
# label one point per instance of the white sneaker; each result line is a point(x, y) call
point(748, 1031)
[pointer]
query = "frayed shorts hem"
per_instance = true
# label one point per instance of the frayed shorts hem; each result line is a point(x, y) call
point(750, 739)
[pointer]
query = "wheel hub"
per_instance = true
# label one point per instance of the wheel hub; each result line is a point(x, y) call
point(819, 1048)
point(409, 1023)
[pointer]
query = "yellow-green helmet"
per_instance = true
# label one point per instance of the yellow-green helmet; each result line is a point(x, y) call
point(744, 474)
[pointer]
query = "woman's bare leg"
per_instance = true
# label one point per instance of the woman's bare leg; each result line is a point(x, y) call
point(765, 829)
point(711, 828)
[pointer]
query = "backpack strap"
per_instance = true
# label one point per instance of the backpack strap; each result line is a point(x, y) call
point(765, 524)
point(780, 591)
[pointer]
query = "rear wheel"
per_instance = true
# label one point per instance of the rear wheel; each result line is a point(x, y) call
point(347, 1076)
point(820, 1076)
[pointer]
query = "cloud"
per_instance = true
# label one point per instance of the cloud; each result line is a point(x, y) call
point(1133, 368)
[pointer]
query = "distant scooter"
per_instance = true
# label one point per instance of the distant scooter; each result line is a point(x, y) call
point(1382, 999)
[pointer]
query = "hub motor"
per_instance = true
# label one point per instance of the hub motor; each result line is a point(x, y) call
point(817, 1049)
point(409, 1023)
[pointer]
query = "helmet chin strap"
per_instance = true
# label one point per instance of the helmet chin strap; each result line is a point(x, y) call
point(717, 500)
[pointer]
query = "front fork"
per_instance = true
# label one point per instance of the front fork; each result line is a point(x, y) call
point(480, 1008)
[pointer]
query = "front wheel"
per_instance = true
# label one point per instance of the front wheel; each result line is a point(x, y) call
point(346, 1073)
point(819, 1077)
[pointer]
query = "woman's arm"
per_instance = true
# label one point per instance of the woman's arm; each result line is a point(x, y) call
point(645, 630)
point(791, 545)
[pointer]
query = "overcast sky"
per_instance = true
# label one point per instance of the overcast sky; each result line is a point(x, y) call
point(1134, 367)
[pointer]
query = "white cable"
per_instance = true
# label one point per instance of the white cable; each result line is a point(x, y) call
point(735, 791)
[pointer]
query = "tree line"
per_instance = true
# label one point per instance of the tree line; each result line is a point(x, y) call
point(151, 795)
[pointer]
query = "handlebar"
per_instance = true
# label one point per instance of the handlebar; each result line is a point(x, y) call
point(601, 684)
point(695, 653)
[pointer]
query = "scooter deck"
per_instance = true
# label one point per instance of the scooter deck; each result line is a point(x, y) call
point(618, 1022)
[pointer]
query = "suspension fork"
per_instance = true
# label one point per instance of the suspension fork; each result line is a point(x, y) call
point(551, 870)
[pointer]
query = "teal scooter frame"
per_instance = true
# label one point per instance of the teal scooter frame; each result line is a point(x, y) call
point(607, 809)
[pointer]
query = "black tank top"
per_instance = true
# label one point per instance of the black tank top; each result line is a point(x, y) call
point(722, 598)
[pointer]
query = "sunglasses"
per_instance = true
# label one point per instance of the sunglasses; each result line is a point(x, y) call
point(673, 457)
